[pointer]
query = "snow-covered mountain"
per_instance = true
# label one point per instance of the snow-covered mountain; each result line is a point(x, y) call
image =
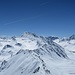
point(31, 54)
point(67, 43)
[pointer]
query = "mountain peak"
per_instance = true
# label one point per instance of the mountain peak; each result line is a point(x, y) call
point(52, 37)
point(29, 34)
point(72, 37)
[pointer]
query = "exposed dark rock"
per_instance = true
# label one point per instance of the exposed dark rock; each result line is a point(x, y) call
point(36, 70)
point(18, 44)
point(7, 46)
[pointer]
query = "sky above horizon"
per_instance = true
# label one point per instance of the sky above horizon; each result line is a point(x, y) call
point(43, 17)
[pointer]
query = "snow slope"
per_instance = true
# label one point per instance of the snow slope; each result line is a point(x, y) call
point(29, 63)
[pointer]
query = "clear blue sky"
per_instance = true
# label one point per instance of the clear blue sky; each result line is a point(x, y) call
point(43, 17)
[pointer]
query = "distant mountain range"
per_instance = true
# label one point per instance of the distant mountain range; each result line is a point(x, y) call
point(30, 54)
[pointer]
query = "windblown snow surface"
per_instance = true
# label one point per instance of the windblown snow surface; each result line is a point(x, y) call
point(30, 54)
